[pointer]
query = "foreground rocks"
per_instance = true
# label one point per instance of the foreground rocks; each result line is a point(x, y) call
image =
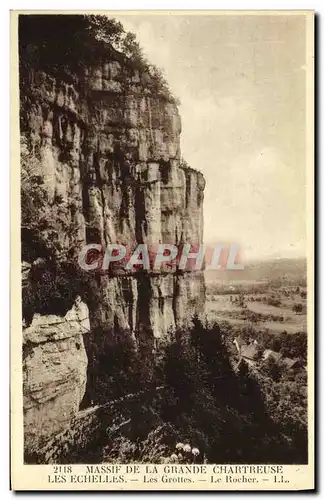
point(54, 376)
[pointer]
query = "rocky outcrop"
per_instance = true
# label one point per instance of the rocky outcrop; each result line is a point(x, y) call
point(54, 376)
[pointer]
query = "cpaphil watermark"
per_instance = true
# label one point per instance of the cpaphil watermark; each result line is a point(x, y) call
point(162, 257)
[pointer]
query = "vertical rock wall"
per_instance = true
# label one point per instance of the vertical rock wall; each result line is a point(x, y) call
point(108, 156)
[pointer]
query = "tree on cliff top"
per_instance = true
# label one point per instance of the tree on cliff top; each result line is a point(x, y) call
point(80, 36)
point(111, 31)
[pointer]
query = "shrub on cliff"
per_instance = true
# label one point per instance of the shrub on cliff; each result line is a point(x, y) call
point(82, 37)
point(114, 368)
point(111, 31)
point(34, 209)
point(52, 288)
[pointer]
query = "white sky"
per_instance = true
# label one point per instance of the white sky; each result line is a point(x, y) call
point(241, 83)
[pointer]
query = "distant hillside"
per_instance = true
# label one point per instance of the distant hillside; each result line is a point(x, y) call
point(288, 270)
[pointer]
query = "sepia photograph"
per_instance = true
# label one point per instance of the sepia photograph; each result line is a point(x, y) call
point(164, 219)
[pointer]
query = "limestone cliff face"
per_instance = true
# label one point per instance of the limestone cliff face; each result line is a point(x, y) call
point(106, 152)
point(100, 163)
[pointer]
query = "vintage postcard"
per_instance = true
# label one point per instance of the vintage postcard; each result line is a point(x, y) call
point(162, 322)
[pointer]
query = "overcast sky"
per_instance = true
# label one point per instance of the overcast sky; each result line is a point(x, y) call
point(241, 83)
